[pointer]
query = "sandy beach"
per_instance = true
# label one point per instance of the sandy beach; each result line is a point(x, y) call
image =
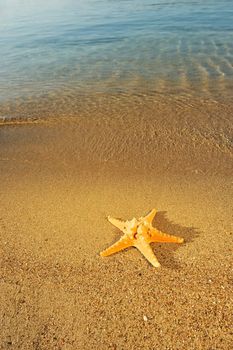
point(60, 179)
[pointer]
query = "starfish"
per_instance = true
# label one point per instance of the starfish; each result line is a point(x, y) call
point(139, 233)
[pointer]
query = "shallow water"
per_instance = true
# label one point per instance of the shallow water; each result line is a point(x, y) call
point(68, 48)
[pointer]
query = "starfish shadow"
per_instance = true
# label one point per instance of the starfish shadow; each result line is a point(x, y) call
point(165, 251)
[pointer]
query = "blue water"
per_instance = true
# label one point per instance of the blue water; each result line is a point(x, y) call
point(125, 46)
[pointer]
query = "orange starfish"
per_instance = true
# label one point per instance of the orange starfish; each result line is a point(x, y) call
point(139, 233)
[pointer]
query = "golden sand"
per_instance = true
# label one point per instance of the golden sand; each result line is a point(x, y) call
point(59, 181)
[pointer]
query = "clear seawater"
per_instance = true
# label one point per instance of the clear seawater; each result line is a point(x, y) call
point(74, 47)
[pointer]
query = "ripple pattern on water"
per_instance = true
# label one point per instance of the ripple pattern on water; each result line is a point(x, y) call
point(115, 47)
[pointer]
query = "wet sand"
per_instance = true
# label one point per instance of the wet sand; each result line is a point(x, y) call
point(61, 177)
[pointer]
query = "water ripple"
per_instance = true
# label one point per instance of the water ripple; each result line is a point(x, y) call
point(115, 47)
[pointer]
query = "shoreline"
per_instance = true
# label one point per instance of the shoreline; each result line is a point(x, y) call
point(59, 106)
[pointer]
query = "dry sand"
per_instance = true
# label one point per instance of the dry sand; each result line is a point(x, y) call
point(61, 177)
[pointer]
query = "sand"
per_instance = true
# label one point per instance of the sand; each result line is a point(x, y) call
point(63, 174)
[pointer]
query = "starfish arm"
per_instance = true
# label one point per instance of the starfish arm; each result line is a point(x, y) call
point(146, 250)
point(123, 243)
point(149, 217)
point(116, 222)
point(158, 236)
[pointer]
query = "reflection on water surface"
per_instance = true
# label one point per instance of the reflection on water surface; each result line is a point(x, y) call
point(70, 47)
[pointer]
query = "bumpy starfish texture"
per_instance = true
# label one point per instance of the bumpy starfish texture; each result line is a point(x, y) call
point(139, 233)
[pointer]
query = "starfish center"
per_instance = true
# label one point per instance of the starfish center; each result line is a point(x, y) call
point(142, 230)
